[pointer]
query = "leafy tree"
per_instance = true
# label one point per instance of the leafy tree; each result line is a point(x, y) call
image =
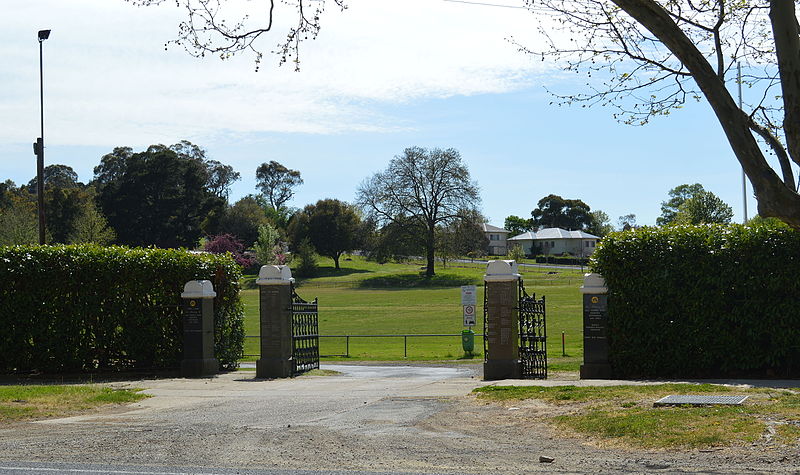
point(395, 240)
point(554, 211)
point(330, 225)
point(677, 196)
point(426, 187)
point(58, 176)
point(155, 197)
point(516, 253)
point(276, 183)
point(600, 225)
point(627, 222)
point(243, 219)
point(91, 227)
point(267, 246)
point(306, 261)
point(224, 243)
point(462, 237)
point(517, 225)
point(19, 223)
point(63, 208)
point(704, 207)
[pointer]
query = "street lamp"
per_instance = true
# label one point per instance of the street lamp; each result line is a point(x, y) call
point(38, 147)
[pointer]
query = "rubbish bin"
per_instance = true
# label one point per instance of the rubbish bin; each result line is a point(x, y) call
point(468, 341)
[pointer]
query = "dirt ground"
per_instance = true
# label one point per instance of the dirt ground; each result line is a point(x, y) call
point(415, 420)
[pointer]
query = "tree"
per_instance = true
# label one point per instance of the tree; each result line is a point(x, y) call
point(653, 56)
point(208, 31)
point(56, 175)
point(91, 227)
point(703, 208)
point(425, 187)
point(627, 222)
point(155, 197)
point(554, 211)
point(267, 247)
point(243, 219)
point(18, 219)
point(517, 225)
point(677, 196)
point(225, 243)
point(462, 237)
point(276, 183)
point(600, 224)
point(330, 225)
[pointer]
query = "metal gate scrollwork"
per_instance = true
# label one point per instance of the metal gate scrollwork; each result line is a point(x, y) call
point(532, 335)
point(305, 334)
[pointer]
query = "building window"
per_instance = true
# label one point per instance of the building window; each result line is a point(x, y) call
point(552, 244)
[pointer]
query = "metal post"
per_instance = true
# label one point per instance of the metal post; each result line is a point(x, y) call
point(563, 350)
point(347, 346)
point(40, 154)
point(405, 346)
point(744, 177)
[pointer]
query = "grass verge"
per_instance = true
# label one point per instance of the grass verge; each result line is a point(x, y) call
point(624, 415)
point(20, 403)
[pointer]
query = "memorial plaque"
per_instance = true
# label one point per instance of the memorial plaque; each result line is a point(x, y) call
point(595, 323)
point(502, 330)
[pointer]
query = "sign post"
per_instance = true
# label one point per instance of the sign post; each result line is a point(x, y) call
point(468, 303)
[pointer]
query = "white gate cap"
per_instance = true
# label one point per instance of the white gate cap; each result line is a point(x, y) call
point(198, 289)
point(501, 271)
point(593, 284)
point(271, 275)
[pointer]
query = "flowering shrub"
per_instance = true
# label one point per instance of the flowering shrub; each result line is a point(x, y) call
point(223, 243)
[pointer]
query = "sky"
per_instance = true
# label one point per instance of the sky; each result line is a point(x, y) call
point(382, 76)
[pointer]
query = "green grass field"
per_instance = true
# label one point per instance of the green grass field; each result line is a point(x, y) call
point(365, 298)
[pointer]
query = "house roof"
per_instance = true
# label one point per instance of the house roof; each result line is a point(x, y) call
point(553, 233)
point(488, 228)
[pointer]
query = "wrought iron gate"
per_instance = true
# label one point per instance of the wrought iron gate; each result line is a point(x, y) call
point(532, 335)
point(305, 334)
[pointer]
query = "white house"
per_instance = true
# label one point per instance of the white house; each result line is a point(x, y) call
point(497, 239)
point(556, 241)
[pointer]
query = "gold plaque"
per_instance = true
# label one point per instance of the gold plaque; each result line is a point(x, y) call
point(192, 303)
point(595, 299)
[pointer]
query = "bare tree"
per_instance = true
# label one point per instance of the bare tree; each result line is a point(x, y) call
point(426, 187)
point(653, 56)
point(208, 30)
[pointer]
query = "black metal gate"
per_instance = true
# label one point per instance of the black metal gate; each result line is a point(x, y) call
point(305, 334)
point(532, 335)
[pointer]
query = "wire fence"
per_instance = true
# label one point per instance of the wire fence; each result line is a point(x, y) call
point(347, 338)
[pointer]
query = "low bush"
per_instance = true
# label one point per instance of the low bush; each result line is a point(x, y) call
point(703, 301)
point(86, 307)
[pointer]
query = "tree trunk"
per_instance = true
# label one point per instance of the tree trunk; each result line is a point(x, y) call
point(336, 260)
point(774, 198)
point(430, 248)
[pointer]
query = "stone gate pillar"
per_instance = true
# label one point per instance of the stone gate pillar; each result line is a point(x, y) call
point(275, 304)
point(198, 329)
point(596, 364)
point(502, 321)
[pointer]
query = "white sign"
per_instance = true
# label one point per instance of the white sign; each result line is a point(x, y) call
point(468, 295)
point(469, 315)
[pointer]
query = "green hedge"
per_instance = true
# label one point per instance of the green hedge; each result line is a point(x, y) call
point(86, 307)
point(703, 301)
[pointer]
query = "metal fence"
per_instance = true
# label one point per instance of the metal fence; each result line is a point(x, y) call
point(405, 338)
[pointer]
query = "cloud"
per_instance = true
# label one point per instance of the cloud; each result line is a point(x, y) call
point(108, 80)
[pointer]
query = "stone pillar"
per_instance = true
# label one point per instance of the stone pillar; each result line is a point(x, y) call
point(502, 321)
point(275, 303)
point(595, 328)
point(198, 329)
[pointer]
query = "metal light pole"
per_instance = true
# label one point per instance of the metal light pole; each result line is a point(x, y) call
point(38, 147)
point(744, 177)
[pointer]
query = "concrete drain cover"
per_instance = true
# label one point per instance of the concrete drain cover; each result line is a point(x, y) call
point(677, 400)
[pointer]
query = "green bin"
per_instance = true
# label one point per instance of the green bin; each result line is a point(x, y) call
point(468, 341)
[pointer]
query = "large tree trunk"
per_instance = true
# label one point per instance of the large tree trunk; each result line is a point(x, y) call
point(430, 248)
point(774, 197)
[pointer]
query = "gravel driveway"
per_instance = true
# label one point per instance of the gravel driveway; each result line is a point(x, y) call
point(392, 419)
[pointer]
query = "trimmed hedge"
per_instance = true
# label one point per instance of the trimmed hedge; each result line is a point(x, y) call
point(567, 261)
point(703, 301)
point(86, 307)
